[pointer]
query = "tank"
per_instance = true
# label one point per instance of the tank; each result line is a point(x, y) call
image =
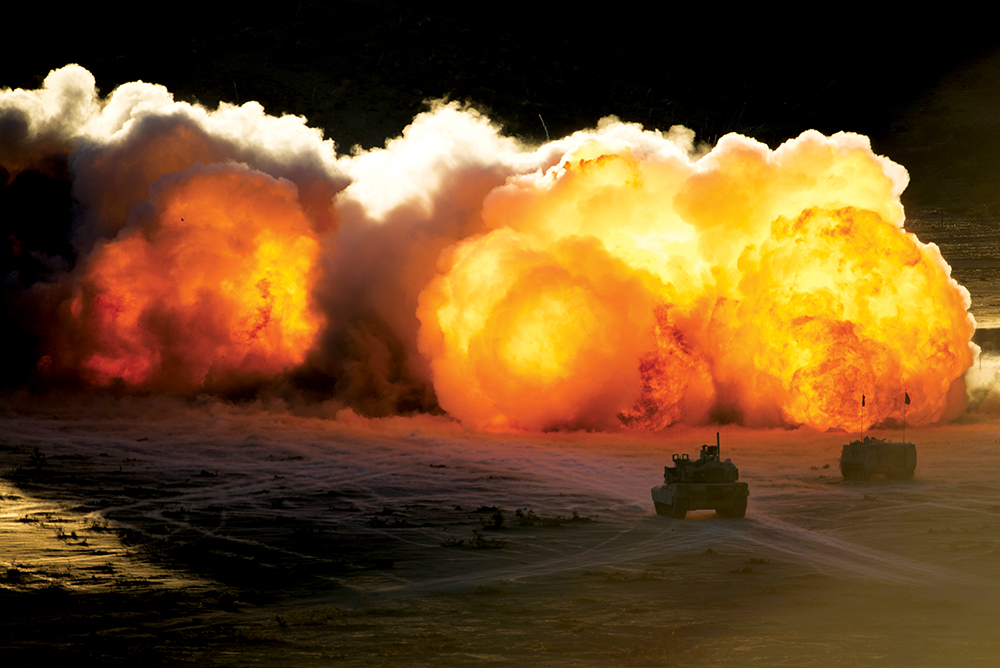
point(702, 484)
point(868, 457)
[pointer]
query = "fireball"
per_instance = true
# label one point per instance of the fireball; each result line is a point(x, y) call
point(642, 284)
point(210, 283)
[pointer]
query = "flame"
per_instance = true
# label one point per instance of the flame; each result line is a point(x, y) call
point(613, 277)
point(216, 281)
point(640, 284)
point(529, 336)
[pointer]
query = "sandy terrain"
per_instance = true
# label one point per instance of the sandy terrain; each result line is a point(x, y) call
point(241, 536)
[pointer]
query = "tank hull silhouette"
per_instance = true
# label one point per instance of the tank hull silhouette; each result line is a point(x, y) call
point(726, 499)
point(869, 457)
point(706, 483)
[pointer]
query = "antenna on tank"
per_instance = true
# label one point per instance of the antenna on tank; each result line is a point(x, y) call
point(906, 402)
point(862, 418)
point(718, 445)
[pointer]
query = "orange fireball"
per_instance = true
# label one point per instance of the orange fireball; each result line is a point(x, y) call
point(211, 283)
point(634, 282)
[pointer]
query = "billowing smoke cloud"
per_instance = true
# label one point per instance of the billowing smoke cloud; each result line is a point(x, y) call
point(613, 277)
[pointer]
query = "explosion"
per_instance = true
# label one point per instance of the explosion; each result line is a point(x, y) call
point(638, 283)
point(215, 284)
point(616, 277)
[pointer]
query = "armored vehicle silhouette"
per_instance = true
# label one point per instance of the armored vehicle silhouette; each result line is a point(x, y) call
point(705, 483)
point(864, 459)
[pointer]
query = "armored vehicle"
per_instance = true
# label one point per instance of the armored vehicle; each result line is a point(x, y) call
point(864, 459)
point(705, 483)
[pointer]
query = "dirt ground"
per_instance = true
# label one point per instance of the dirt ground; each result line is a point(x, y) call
point(217, 535)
